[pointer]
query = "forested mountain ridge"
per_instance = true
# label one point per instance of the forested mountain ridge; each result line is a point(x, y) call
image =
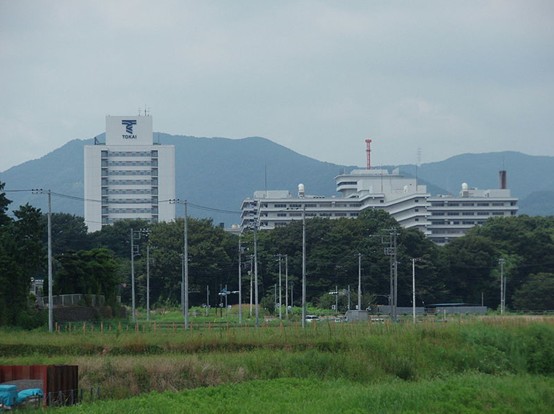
point(219, 173)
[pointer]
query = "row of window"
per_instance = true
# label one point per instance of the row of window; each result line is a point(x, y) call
point(312, 214)
point(129, 210)
point(456, 222)
point(310, 205)
point(106, 172)
point(111, 220)
point(148, 163)
point(467, 213)
point(153, 200)
point(133, 191)
point(106, 153)
point(153, 181)
point(469, 204)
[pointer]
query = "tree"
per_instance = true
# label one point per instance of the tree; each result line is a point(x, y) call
point(4, 203)
point(471, 260)
point(536, 294)
point(88, 272)
point(21, 258)
point(526, 243)
point(69, 233)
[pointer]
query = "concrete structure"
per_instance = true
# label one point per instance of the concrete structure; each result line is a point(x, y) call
point(402, 197)
point(453, 216)
point(441, 218)
point(128, 177)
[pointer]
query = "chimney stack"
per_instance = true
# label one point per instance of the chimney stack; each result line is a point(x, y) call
point(368, 151)
point(503, 185)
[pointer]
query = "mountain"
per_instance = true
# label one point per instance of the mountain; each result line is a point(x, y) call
point(530, 178)
point(216, 174)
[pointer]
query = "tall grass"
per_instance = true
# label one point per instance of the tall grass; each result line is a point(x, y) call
point(127, 363)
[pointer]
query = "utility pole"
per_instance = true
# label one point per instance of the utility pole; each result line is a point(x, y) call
point(395, 265)
point(50, 296)
point(240, 282)
point(348, 297)
point(280, 298)
point(287, 286)
point(359, 282)
point(148, 281)
point(135, 252)
point(391, 251)
point(207, 300)
point(337, 299)
point(256, 310)
point(292, 294)
point(186, 259)
point(413, 290)
point(251, 274)
point(304, 266)
point(185, 265)
point(133, 312)
point(502, 286)
point(50, 281)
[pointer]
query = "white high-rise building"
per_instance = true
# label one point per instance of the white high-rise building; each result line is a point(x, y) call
point(128, 177)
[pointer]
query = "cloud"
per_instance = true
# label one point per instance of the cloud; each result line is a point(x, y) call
point(318, 77)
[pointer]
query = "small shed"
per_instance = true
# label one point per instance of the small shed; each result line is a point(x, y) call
point(59, 383)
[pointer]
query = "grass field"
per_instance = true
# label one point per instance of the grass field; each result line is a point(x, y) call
point(470, 393)
point(490, 364)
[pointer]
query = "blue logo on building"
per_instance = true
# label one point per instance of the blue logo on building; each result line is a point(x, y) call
point(129, 125)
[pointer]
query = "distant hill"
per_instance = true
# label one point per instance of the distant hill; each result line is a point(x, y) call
point(218, 173)
point(531, 178)
point(212, 172)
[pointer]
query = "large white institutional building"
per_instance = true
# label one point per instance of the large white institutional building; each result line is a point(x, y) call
point(128, 177)
point(441, 218)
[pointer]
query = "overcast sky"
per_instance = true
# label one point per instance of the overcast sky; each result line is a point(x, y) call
point(319, 77)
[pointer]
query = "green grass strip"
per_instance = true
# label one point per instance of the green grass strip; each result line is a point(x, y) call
point(470, 393)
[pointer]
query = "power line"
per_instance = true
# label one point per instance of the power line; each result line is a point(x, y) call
point(77, 198)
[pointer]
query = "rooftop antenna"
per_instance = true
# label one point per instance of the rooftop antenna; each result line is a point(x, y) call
point(418, 162)
point(265, 180)
point(368, 152)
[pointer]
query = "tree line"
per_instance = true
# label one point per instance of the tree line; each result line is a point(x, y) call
point(337, 252)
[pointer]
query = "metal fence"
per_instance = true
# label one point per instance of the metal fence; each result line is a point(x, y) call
point(72, 300)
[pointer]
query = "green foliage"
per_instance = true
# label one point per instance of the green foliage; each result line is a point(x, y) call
point(69, 233)
point(527, 245)
point(332, 248)
point(21, 254)
point(470, 260)
point(503, 363)
point(87, 272)
point(469, 393)
point(536, 294)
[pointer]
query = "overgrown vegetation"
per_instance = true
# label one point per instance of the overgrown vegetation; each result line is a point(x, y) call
point(125, 364)
point(466, 270)
point(489, 364)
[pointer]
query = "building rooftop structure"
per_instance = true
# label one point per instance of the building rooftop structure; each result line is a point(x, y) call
point(402, 197)
point(442, 218)
point(452, 216)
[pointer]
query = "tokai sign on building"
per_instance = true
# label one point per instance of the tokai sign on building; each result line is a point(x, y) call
point(129, 130)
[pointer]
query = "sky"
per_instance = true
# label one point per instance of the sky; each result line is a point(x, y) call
point(425, 80)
